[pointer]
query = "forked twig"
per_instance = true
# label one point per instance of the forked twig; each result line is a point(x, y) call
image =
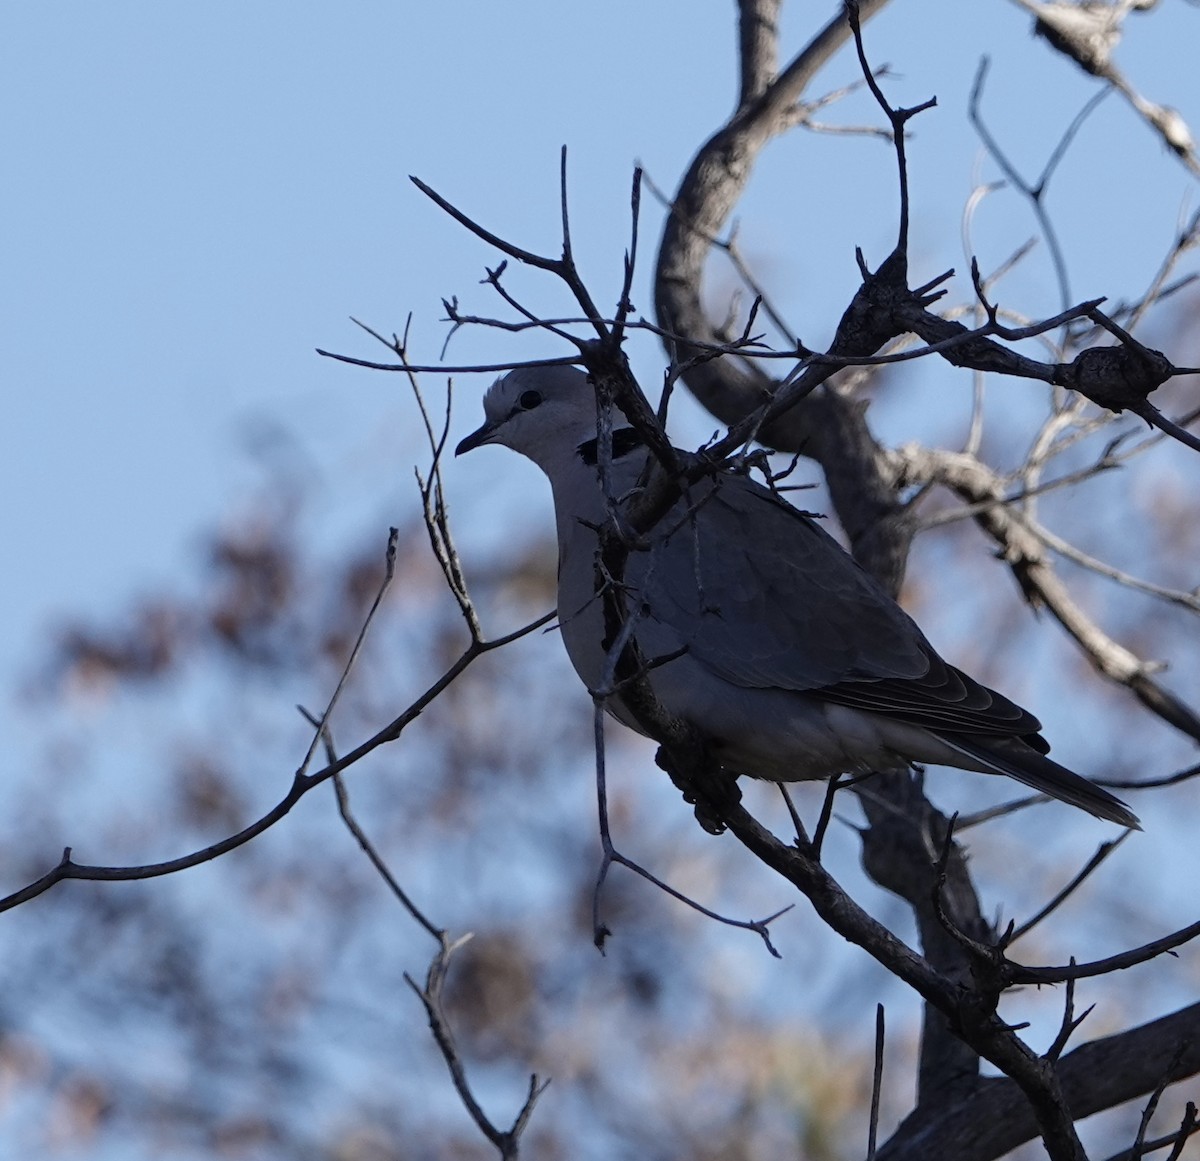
point(610, 855)
point(506, 1140)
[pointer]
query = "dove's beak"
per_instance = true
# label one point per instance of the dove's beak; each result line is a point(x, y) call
point(476, 439)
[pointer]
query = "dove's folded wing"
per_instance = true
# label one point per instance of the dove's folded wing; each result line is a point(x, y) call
point(765, 598)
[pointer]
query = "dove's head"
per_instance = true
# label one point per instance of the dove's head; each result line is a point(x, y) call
point(544, 413)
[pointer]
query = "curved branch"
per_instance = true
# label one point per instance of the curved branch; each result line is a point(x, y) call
point(712, 186)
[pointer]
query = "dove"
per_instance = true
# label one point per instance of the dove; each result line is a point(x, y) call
point(758, 628)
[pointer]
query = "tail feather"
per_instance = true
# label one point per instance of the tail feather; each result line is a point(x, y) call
point(1016, 759)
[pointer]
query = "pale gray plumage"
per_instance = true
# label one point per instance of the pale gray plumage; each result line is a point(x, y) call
point(791, 660)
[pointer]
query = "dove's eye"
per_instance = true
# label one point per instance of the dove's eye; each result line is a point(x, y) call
point(529, 400)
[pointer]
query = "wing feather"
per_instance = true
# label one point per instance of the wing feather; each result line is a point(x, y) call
point(764, 597)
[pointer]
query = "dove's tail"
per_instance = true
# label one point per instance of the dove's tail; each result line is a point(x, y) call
point(1018, 760)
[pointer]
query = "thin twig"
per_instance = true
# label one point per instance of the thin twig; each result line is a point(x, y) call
point(876, 1084)
point(1022, 974)
point(1139, 1142)
point(1036, 191)
point(507, 1141)
point(610, 855)
point(831, 788)
point(1070, 1022)
point(898, 119)
point(1102, 852)
point(1184, 775)
point(389, 572)
point(368, 848)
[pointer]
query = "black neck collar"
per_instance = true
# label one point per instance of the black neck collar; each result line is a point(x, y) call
point(624, 441)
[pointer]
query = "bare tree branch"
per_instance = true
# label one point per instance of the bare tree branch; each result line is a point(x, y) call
point(1025, 555)
point(996, 1118)
point(67, 868)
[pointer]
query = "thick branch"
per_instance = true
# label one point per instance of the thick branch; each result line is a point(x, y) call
point(1100, 1075)
point(980, 1028)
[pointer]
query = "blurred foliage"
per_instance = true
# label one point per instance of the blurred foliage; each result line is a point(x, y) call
point(257, 1006)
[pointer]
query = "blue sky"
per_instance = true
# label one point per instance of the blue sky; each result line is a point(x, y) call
point(198, 196)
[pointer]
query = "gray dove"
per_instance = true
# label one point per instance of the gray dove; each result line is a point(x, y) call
point(766, 636)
